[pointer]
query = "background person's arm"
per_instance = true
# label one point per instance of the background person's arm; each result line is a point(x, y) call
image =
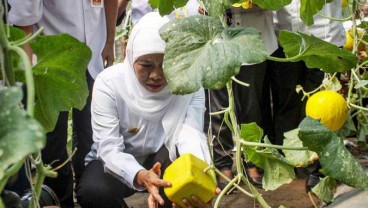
point(111, 11)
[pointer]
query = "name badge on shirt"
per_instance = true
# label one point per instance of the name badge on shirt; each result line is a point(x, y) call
point(97, 3)
point(181, 12)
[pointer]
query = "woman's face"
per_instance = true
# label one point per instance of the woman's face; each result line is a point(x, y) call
point(148, 69)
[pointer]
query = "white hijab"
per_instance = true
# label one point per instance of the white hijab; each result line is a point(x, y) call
point(170, 109)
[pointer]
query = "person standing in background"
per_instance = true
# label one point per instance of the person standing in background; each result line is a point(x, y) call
point(287, 108)
point(249, 101)
point(141, 7)
point(91, 22)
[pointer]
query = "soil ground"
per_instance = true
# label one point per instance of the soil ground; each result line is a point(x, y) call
point(291, 195)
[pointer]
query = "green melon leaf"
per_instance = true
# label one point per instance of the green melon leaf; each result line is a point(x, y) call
point(299, 158)
point(309, 8)
point(277, 170)
point(20, 134)
point(201, 53)
point(60, 76)
point(167, 6)
point(335, 159)
point(272, 4)
point(316, 53)
point(323, 189)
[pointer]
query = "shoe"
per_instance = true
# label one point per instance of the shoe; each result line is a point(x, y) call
point(256, 181)
point(222, 184)
point(310, 182)
point(254, 176)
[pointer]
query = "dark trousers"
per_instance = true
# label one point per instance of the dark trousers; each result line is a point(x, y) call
point(55, 152)
point(250, 107)
point(287, 107)
point(99, 189)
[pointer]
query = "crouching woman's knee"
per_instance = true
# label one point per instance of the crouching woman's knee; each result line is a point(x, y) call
point(100, 189)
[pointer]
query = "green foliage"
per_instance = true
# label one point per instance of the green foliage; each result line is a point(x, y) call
point(299, 46)
point(272, 4)
point(335, 159)
point(277, 170)
point(167, 6)
point(300, 158)
point(201, 52)
point(309, 8)
point(216, 8)
point(60, 76)
point(20, 134)
point(324, 189)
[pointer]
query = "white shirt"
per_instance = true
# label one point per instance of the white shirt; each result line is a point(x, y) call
point(75, 17)
point(288, 18)
point(142, 7)
point(123, 151)
point(260, 19)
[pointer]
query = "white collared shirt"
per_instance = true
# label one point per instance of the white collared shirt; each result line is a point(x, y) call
point(142, 7)
point(288, 18)
point(257, 18)
point(75, 17)
point(123, 139)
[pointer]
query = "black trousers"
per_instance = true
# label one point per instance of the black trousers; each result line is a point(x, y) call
point(99, 189)
point(250, 107)
point(287, 108)
point(270, 101)
point(55, 152)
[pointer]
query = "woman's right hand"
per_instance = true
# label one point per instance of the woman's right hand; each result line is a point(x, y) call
point(151, 180)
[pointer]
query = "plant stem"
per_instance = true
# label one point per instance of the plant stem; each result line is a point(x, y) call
point(256, 144)
point(238, 158)
point(219, 112)
point(27, 39)
point(358, 107)
point(29, 78)
point(290, 59)
point(233, 182)
point(40, 169)
point(8, 66)
point(239, 82)
point(10, 172)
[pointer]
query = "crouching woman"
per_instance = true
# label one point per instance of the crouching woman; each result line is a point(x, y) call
point(139, 127)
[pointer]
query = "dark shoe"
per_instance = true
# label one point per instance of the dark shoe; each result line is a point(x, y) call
point(310, 182)
point(221, 184)
point(256, 181)
point(254, 176)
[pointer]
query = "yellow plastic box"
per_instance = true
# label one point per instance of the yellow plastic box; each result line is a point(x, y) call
point(188, 178)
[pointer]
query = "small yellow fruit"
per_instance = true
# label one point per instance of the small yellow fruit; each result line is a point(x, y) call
point(350, 39)
point(246, 5)
point(330, 107)
point(344, 3)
